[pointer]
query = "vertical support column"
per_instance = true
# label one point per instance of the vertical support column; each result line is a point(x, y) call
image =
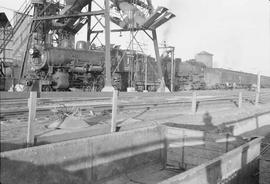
point(227, 142)
point(145, 73)
point(108, 82)
point(13, 77)
point(89, 30)
point(161, 78)
point(32, 101)
point(194, 102)
point(4, 47)
point(257, 98)
point(172, 69)
point(240, 100)
point(114, 109)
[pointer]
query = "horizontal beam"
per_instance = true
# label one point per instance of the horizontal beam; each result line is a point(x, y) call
point(100, 12)
point(120, 30)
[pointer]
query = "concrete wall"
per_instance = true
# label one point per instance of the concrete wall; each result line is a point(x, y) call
point(90, 159)
point(237, 166)
point(251, 124)
point(265, 161)
point(190, 148)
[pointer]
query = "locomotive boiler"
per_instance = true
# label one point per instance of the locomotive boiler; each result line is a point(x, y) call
point(59, 69)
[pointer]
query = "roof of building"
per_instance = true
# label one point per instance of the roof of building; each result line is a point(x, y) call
point(4, 22)
point(205, 53)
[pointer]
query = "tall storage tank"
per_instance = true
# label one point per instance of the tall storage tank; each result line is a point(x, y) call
point(206, 58)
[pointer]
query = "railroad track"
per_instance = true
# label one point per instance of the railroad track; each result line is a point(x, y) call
point(14, 122)
point(127, 101)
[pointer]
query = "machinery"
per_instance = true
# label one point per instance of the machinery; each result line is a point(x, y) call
point(62, 68)
point(53, 60)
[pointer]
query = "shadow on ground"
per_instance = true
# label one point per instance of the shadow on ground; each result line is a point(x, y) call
point(30, 173)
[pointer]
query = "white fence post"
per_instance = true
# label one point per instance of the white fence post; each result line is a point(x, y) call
point(240, 100)
point(32, 102)
point(114, 109)
point(194, 102)
point(257, 99)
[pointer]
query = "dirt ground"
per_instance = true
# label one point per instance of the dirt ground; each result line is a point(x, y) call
point(14, 128)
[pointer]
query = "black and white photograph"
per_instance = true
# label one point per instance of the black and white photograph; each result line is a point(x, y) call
point(135, 91)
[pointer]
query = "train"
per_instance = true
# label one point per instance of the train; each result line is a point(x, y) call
point(194, 75)
point(65, 68)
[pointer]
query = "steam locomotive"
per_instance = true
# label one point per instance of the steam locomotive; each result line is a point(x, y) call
point(62, 68)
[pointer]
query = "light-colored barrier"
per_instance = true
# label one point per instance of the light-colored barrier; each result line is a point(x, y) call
point(224, 169)
point(94, 158)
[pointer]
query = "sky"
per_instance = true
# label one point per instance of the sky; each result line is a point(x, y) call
point(236, 32)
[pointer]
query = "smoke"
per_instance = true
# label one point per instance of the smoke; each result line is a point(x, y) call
point(168, 26)
point(166, 31)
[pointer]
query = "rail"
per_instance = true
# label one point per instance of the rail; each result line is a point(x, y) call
point(101, 102)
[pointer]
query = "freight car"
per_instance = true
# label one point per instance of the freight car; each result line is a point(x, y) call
point(192, 75)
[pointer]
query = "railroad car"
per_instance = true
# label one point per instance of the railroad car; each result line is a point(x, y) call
point(63, 68)
point(192, 75)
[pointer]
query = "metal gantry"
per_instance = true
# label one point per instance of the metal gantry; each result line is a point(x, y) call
point(153, 21)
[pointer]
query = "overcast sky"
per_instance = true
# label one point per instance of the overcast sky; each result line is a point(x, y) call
point(237, 32)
